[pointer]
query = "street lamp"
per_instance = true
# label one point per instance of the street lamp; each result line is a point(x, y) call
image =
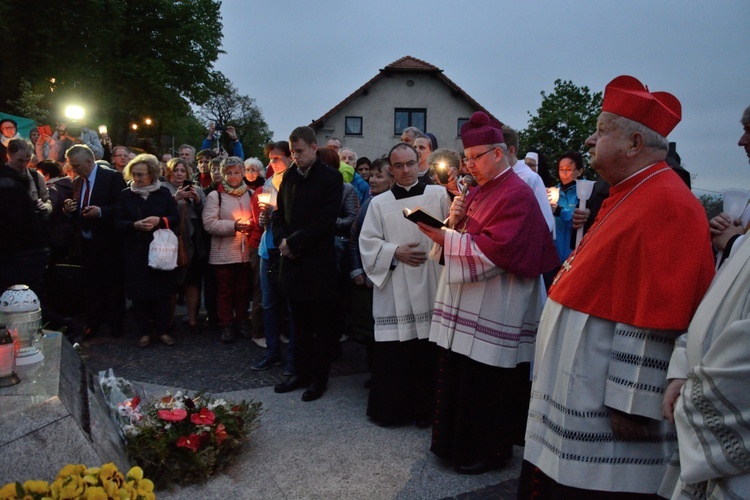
point(74, 112)
point(134, 126)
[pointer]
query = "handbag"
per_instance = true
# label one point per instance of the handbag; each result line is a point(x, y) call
point(162, 252)
point(182, 254)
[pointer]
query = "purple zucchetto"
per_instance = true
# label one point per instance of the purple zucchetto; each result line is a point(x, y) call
point(479, 131)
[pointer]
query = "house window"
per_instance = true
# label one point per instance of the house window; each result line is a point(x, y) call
point(461, 122)
point(353, 125)
point(409, 117)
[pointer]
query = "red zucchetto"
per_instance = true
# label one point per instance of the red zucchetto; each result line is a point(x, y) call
point(626, 96)
point(479, 131)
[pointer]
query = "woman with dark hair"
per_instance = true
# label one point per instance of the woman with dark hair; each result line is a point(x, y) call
point(145, 206)
point(190, 202)
point(569, 168)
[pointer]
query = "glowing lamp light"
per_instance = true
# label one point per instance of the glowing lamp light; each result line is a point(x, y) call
point(134, 126)
point(148, 121)
point(74, 112)
point(8, 375)
point(553, 194)
point(103, 129)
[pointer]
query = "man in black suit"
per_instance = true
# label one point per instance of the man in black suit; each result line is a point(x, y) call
point(303, 229)
point(96, 192)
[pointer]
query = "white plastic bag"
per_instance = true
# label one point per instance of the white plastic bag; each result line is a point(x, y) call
point(162, 252)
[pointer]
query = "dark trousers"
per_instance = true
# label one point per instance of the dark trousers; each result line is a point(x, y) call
point(147, 311)
point(104, 288)
point(314, 338)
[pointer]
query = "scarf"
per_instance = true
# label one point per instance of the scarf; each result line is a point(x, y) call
point(145, 191)
point(238, 191)
point(6, 140)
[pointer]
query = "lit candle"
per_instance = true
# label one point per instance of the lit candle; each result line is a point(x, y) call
point(553, 194)
point(264, 198)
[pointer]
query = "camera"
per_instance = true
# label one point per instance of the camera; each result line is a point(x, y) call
point(187, 184)
point(442, 172)
point(218, 129)
point(74, 130)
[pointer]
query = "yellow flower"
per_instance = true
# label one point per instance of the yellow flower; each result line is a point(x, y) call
point(39, 487)
point(92, 471)
point(72, 487)
point(95, 493)
point(8, 491)
point(146, 485)
point(71, 470)
point(135, 473)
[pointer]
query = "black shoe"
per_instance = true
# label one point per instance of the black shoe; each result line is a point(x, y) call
point(289, 385)
point(265, 363)
point(194, 329)
point(227, 335)
point(475, 468)
point(315, 391)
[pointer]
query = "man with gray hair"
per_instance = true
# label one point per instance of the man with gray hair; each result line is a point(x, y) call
point(709, 394)
point(410, 134)
point(487, 306)
point(614, 311)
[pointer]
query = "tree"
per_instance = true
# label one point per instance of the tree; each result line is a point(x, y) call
point(563, 122)
point(241, 112)
point(124, 60)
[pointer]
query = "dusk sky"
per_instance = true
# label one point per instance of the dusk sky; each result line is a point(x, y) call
point(300, 59)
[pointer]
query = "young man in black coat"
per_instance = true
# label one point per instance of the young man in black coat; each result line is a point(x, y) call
point(303, 228)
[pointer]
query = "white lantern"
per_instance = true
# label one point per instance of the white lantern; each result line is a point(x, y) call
point(23, 318)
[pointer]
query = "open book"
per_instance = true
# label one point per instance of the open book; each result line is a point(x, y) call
point(419, 214)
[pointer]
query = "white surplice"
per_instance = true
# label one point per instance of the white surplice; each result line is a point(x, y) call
point(403, 295)
point(712, 413)
point(483, 312)
point(568, 434)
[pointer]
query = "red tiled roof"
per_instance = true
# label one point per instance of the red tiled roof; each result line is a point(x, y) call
point(405, 64)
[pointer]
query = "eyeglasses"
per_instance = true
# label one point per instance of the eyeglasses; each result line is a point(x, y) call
point(408, 164)
point(474, 159)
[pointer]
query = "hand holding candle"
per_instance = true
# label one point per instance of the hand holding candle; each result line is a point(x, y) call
point(583, 190)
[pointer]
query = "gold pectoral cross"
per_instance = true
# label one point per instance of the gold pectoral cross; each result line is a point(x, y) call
point(566, 266)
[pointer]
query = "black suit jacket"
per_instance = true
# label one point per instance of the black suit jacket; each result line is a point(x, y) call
point(306, 218)
point(105, 195)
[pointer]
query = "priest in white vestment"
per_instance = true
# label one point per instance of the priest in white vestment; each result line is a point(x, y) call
point(618, 303)
point(710, 371)
point(394, 257)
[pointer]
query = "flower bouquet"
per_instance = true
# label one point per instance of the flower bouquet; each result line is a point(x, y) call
point(183, 440)
point(78, 481)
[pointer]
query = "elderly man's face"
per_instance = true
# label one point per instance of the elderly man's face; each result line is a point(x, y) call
point(81, 165)
point(348, 157)
point(745, 140)
point(187, 155)
point(8, 129)
point(334, 144)
point(483, 162)
point(407, 137)
point(404, 166)
point(607, 147)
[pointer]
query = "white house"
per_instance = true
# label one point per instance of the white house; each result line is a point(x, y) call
point(407, 92)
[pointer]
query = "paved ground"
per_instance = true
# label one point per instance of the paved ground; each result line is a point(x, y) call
point(202, 362)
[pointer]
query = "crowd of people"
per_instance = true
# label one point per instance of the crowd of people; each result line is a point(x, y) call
point(619, 362)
